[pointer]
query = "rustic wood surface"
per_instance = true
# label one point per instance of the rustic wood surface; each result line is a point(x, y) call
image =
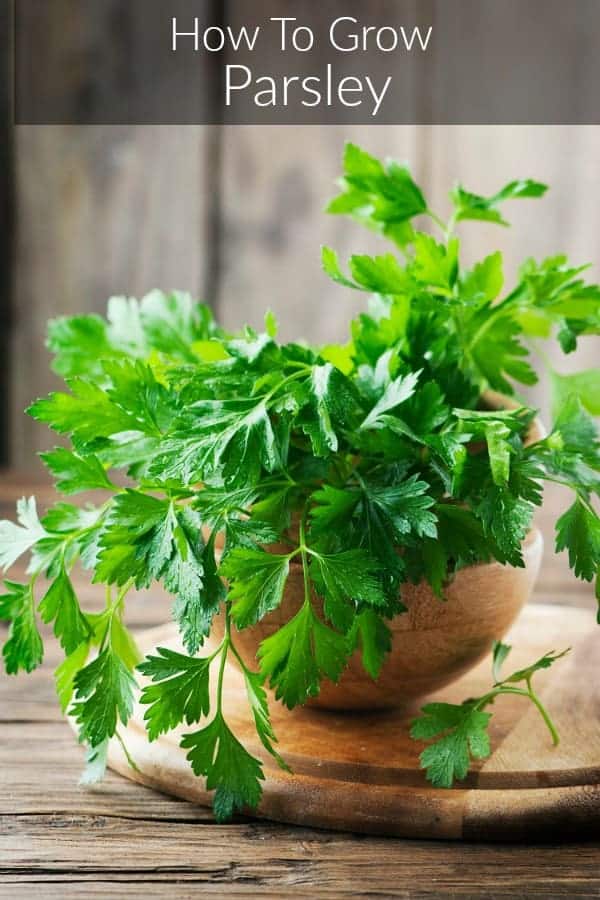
point(361, 772)
point(235, 215)
point(124, 840)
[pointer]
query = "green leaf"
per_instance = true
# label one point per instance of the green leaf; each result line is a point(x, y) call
point(78, 344)
point(435, 265)
point(343, 579)
point(576, 428)
point(230, 770)
point(495, 349)
point(87, 413)
point(248, 533)
point(173, 322)
point(484, 281)
point(146, 538)
point(179, 692)
point(257, 581)
point(96, 761)
point(384, 197)
point(506, 519)
point(544, 662)
point(499, 653)
point(74, 473)
point(578, 531)
point(333, 508)
point(496, 435)
point(552, 294)
point(330, 403)
point(103, 695)
point(23, 648)
point(375, 274)
point(380, 274)
point(460, 540)
point(228, 439)
point(331, 267)
point(461, 733)
point(396, 393)
point(66, 672)
point(257, 698)
point(583, 385)
point(60, 605)
point(474, 206)
point(18, 539)
point(135, 390)
point(406, 506)
point(297, 656)
point(123, 643)
point(375, 640)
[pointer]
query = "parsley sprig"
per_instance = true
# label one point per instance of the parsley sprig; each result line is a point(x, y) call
point(459, 732)
point(224, 461)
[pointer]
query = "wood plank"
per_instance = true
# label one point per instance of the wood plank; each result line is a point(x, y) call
point(6, 218)
point(566, 220)
point(343, 781)
point(255, 859)
point(132, 217)
point(270, 243)
point(275, 182)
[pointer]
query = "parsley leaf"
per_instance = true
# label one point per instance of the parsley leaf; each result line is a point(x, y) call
point(297, 656)
point(18, 539)
point(396, 393)
point(375, 640)
point(179, 693)
point(383, 196)
point(258, 579)
point(60, 606)
point(578, 531)
point(344, 577)
point(103, 695)
point(86, 413)
point(75, 473)
point(23, 648)
point(230, 770)
point(474, 206)
point(464, 735)
point(459, 731)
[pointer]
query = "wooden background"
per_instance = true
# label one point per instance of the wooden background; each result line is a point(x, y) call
point(234, 213)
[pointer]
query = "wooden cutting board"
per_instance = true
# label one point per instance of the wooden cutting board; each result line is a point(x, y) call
point(357, 772)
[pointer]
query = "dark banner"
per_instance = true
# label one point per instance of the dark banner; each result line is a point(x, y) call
point(279, 62)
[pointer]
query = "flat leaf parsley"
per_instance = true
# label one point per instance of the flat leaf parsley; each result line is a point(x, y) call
point(368, 464)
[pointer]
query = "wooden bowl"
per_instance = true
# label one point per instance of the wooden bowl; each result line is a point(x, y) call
point(433, 644)
point(436, 641)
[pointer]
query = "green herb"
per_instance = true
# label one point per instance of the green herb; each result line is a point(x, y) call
point(460, 731)
point(367, 463)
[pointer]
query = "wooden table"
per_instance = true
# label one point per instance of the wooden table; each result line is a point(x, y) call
point(122, 840)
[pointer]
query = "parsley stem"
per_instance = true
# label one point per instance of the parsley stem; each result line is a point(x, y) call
point(522, 692)
point(544, 713)
point(293, 377)
point(130, 760)
point(438, 221)
point(304, 556)
point(224, 650)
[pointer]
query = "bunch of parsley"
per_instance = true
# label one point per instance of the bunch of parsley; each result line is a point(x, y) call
point(371, 463)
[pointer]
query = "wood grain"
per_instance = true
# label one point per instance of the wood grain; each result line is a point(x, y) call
point(121, 839)
point(101, 211)
point(361, 772)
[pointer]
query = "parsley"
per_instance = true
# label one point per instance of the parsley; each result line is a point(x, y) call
point(459, 732)
point(359, 466)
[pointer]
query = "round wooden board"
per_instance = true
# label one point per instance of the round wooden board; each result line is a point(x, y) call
point(360, 772)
